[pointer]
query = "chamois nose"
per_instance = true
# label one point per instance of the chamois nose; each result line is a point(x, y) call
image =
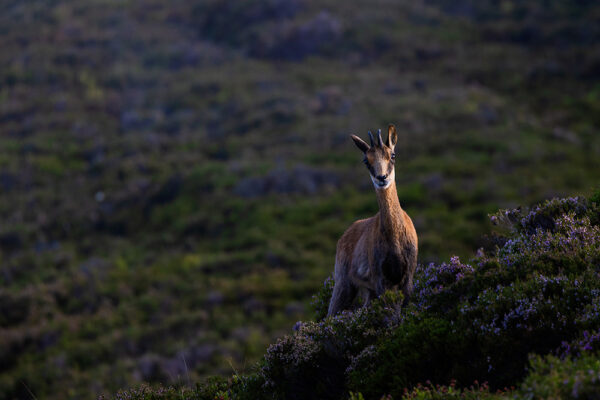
point(382, 177)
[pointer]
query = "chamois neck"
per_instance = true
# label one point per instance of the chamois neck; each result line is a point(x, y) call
point(390, 218)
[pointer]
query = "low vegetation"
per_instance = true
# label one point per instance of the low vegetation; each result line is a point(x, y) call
point(520, 320)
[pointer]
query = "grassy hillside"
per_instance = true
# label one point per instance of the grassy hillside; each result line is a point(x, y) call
point(174, 176)
point(522, 318)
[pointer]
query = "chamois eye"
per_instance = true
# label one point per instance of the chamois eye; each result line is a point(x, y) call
point(366, 162)
point(393, 156)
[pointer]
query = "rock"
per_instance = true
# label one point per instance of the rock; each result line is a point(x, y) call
point(487, 114)
point(253, 305)
point(565, 135)
point(14, 309)
point(149, 368)
point(93, 266)
point(165, 194)
point(10, 241)
point(214, 298)
point(7, 181)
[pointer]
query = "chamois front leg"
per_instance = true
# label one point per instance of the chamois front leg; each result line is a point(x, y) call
point(342, 296)
point(379, 287)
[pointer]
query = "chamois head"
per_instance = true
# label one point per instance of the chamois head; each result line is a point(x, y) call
point(379, 157)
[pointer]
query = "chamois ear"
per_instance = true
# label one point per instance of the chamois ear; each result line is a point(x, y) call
point(392, 137)
point(360, 143)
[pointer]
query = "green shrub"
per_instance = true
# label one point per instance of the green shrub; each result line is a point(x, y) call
point(238, 387)
point(320, 301)
point(416, 351)
point(555, 378)
point(436, 392)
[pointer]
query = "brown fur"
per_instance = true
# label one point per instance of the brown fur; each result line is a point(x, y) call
point(380, 252)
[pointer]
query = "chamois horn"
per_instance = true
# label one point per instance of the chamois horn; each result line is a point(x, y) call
point(371, 138)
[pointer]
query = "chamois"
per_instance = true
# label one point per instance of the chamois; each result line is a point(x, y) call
point(380, 252)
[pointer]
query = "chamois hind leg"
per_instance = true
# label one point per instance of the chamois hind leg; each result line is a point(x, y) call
point(407, 289)
point(368, 296)
point(342, 296)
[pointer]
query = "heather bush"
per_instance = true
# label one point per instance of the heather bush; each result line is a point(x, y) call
point(543, 216)
point(588, 343)
point(480, 321)
point(312, 362)
point(524, 314)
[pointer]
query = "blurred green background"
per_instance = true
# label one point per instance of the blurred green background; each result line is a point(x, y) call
point(174, 175)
